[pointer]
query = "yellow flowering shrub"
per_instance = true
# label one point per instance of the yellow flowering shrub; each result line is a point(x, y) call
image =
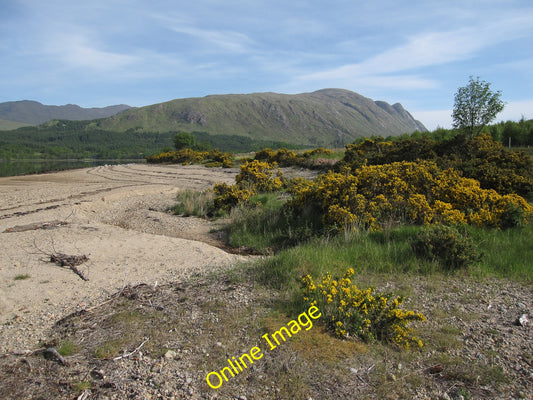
point(288, 158)
point(349, 311)
point(480, 158)
point(260, 175)
point(406, 192)
point(255, 177)
point(228, 196)
point(189, 156)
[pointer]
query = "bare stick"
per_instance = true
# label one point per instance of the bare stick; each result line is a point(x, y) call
point(134, 351)
point(54, 352)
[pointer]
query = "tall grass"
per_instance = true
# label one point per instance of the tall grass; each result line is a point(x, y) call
point(506, 254)
point(193, 203)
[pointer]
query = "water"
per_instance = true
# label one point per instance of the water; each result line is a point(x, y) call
point(25, 167)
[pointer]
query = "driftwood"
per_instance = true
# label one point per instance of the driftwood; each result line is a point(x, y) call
point(35, 226)
point(72, 262)
point(53, 352)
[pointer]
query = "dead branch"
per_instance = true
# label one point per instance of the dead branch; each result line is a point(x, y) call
point(58, 356)
point(131, 353)
point(65, 260)
point(26, 361)
point(72, 262)
point(35, 226)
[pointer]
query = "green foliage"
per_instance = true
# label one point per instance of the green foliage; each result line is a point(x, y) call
point(452, 249)
point(79, 139)
point(366, 314)
point(183, 140)
point(318, 158)
point(480, 158)
point(475, 105)
point(506, 254)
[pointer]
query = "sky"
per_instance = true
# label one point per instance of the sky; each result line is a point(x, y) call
point(137, 52)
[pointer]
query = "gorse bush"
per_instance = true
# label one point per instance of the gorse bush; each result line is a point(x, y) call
point(213, 158)
point(452, 249)
point(287, 158)
point(371, 197)
point(255, 177)
point(351, 312)
point(260, 175)
point(228, 196)
point(480, 158)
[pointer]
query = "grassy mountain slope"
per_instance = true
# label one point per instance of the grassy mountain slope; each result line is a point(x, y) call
point(33, 112)
point(6, 125)
point(324, 117)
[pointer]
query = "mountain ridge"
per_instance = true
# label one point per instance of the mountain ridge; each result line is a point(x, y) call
point(323, 117)
point(33, 112)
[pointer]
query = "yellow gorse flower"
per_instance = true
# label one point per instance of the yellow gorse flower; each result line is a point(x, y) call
point(363, 313)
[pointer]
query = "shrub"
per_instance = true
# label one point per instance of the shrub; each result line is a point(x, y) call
point(228, 196)
point(480, 158)
point(445, 244)
point(350, 311)
point(189, 156)
point(260, 175)
point(374, 196)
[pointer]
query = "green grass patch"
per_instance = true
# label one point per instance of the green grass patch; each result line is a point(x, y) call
point(68, 348)
point(265, 225)
point(21, 277)
point(506, 254)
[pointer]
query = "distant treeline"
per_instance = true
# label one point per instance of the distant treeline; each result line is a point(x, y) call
point(62, 139)
point(520, 133)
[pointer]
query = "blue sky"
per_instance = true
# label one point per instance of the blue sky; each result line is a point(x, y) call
point(137, 52)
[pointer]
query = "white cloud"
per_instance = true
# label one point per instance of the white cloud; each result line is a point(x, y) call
point(76, 51)
point(420, 51)
point(514, 110)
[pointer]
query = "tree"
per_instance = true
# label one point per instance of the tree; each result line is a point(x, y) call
point(475, 106)
point(183, 140)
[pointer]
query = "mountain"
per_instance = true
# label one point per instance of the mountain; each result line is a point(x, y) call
point(33, 112)
point(325, 117)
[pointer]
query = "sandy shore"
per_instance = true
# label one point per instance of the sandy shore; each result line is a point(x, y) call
point(116, 215)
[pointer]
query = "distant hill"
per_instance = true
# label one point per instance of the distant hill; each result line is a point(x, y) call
point(6, 125)
point(325, 117)
point(33, 112)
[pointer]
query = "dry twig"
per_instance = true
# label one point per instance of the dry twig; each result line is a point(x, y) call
point(131, 353)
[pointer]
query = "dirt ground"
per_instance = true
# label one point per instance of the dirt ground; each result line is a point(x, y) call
point(115, 215)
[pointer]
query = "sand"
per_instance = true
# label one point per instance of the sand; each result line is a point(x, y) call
point(117, 216)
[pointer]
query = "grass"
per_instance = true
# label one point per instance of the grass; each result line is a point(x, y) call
point(21, 277)
point(506, 253)
point(68, 348)
point(194, 203)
